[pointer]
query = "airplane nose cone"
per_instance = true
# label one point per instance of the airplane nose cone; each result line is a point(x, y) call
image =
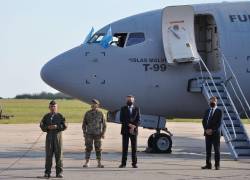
point(47, 73)
point(57, 73)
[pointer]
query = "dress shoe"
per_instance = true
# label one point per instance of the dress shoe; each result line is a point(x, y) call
point(206, 167)
point(122, 166)
point(134, 166)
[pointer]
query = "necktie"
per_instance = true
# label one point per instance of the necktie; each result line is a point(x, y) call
point(210, 115)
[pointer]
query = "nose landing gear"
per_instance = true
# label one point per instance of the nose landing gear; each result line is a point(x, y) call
point(160, 142)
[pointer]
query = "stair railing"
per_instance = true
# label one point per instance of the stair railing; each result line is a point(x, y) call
point(228, 135)
point(233, 77)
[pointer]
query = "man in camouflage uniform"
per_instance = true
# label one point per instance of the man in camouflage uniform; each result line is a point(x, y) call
point(94, 127)
point(53, 123)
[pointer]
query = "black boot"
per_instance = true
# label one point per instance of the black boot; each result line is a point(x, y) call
point(217, 166)
point(46, 175)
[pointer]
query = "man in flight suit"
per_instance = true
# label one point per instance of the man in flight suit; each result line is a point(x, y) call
point(94, 128)
point(53, 123)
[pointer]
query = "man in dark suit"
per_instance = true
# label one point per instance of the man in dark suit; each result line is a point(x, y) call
point(130, 118)
point(211, 124)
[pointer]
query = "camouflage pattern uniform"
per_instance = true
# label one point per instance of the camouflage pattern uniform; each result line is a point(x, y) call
point(54, 140)
point(94, 127)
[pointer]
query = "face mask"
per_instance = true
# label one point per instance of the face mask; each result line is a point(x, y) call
point(129, 103)
point(212, 104)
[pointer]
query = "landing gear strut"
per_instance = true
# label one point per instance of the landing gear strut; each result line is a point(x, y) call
point(160, 142)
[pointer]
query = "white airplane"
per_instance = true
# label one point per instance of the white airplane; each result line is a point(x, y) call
point(172, 60)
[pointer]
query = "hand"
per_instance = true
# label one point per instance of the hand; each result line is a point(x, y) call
point(51, 127)
point(209, 132)
point(132, 126)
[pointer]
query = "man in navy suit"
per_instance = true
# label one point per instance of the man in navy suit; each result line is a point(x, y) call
point(211, 124)
point(129, 118)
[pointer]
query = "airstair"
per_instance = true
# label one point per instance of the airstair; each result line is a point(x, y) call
point(229, 94)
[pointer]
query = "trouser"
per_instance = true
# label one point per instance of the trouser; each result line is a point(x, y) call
point(125, 142)
point(213, 140)
point(89, 140)
point(53, 146)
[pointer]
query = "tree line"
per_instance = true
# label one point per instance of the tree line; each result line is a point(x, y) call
point(44, 95)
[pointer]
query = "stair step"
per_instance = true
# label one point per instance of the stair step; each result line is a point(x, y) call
point(237, 132)
point(242, 154)
point(227, 118)
point(212, 84)
point(242, 147)
point(226, 104)
point(235, 125)
point(244, 143)
point(242, 151)
point(239, 143)
point(229, 111)
point(223, 97)
point(209, 78)
point(220, 91)
point(237, 129)
point(240, 136)
point(240, 140)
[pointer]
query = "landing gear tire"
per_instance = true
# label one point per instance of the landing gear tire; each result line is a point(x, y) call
point(160, 143)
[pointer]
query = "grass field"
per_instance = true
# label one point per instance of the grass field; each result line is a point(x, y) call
point(31, 111)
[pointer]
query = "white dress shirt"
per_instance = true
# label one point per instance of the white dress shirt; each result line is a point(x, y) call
point(131, 108)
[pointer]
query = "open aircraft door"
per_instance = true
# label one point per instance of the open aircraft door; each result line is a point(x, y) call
point(178, 34)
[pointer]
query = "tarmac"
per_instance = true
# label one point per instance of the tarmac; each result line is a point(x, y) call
point(183, 163)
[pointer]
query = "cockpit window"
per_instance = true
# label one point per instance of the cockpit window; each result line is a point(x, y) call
point(135, 38)
point(96, 38)
point(119, 39)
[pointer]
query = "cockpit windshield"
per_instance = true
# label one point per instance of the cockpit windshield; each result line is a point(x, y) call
point(96, 38)
point(120, 39)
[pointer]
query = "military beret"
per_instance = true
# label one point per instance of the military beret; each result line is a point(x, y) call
point(53, 102)
point(95, 101)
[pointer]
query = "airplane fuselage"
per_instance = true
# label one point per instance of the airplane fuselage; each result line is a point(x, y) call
point(109, 74)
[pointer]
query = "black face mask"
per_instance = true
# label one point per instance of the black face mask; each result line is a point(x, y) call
point(129, 103)
point(212, 104)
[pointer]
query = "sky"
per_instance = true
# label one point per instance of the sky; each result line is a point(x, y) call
point(34, 31)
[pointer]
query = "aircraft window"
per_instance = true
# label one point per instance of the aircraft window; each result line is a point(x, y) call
point(119, 39)
point(96, 38)
point(135, 38)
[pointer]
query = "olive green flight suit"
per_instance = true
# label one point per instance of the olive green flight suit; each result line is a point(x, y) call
point(54, 140)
